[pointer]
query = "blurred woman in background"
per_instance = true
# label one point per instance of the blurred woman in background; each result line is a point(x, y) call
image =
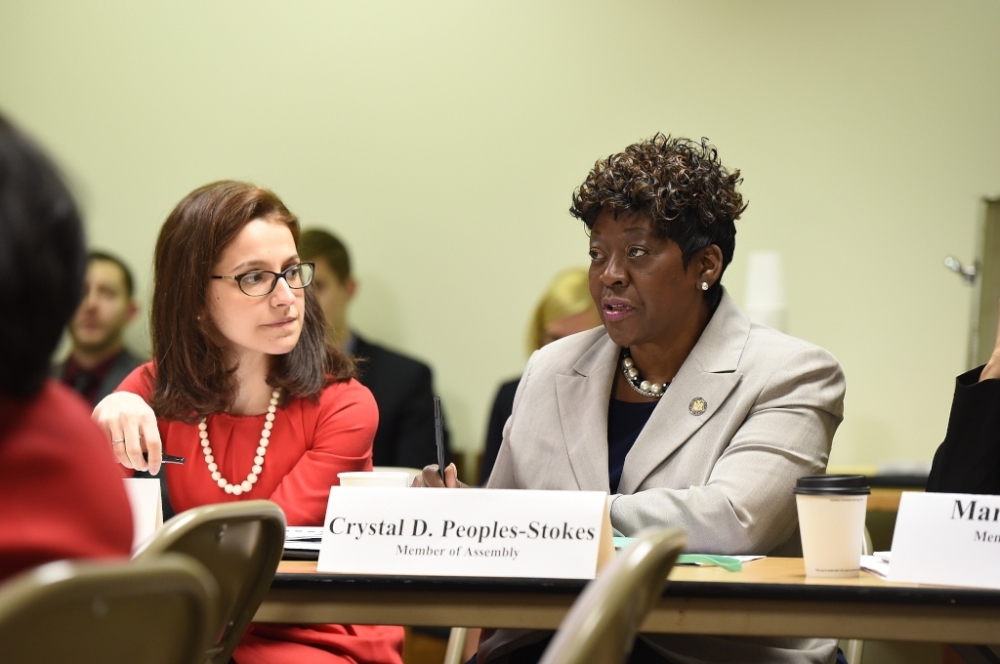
point(565, 308)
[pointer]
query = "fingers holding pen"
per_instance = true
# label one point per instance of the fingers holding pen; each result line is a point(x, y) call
point(118, 445)
point(130, 425)
point(451, 478)
point(154, 447)
point(431, 477)
point(133, 443)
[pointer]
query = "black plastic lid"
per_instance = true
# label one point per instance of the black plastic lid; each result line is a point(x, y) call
point(832, 485)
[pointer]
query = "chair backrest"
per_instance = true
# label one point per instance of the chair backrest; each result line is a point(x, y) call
point(240, 544)
point(151, 613)
point(602, 625)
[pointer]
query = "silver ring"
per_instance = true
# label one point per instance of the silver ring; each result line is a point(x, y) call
point(120, 440)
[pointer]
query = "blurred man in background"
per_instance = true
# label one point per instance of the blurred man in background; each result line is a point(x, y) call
point(99, 361)
point(401, 385)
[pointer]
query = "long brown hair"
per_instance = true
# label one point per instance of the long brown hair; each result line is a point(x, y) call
point(192, 379)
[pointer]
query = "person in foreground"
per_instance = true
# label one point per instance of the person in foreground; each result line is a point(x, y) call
point(968, 461)
point(244, 386)
point(61, 495)
point(687, 413)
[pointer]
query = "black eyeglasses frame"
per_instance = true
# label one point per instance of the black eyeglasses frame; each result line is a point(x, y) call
point(276, 275)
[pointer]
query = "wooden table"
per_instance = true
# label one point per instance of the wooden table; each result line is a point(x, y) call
point(770, 597)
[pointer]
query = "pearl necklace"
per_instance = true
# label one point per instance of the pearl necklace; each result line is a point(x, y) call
point(635, 381)
point(258, 461)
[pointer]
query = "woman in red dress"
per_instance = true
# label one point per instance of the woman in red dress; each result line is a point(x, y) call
point(245, 387)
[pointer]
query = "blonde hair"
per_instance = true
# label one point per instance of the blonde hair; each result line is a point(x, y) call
point(567, 295)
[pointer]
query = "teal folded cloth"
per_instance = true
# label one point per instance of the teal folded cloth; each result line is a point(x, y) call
point(727, 563)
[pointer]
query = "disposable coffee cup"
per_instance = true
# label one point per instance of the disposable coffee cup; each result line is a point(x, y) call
point(832, 522)
point(375, 478)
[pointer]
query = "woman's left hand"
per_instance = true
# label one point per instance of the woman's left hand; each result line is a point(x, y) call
point(431, 477)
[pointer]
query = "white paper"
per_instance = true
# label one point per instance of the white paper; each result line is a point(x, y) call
point(300, 533)
point(303, 538)
point(947, 539)
point(875, 565)
point(147, 508)
point(467, 532)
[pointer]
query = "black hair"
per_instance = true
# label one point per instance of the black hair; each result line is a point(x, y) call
point(42, 262)
point(111, 258)
point(680, 184)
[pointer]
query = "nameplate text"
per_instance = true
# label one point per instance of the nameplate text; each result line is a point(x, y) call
point(464, 532)
point(947, 539)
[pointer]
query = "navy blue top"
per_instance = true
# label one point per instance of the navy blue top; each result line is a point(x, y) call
point(625, 421)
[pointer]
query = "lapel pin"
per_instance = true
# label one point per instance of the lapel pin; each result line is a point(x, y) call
point(698, 406)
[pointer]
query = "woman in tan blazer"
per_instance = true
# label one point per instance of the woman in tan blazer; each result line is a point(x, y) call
point(687, 413)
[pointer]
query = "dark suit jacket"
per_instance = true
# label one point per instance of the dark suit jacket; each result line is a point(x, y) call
point(121, 368)
point(968, 461)
point(503, 405)
point(402, 388)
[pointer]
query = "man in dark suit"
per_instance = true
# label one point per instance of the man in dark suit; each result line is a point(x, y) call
point(401, 385)
point(99, 361)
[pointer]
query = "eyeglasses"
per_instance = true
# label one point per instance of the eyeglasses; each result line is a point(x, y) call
point(259, 283)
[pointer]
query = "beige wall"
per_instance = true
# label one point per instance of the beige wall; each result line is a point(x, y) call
point(443, 140)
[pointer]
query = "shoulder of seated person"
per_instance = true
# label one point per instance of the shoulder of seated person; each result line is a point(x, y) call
point(344, 392)
point(375, 352)
point(767, 342)
point(567, 351)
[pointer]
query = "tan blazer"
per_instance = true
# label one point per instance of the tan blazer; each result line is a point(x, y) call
point(724, 473)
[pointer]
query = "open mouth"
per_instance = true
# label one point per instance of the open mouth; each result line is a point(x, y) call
point(616, 310)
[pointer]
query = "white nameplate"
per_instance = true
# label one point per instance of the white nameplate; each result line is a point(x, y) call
point(947, 539)
point(147, 507)
point(465, 532)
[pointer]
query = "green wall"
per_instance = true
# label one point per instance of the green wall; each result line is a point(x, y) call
point(442, 140)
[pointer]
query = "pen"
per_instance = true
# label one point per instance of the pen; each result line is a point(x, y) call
point(439, 435)
point(167, 458)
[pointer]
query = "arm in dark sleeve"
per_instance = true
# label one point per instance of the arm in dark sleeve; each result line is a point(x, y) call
point(413, 443)
point(968, 461)
point(503, 405)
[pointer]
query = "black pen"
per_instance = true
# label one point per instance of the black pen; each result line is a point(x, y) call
point(439, 435)
point(167, 458)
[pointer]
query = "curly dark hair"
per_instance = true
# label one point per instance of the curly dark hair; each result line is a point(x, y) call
point(680, 184)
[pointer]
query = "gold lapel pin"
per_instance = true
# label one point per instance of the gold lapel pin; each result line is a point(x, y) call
point(698, 406)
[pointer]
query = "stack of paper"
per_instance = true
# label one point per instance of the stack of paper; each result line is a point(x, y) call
point(877, 564)
point(301, 538)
